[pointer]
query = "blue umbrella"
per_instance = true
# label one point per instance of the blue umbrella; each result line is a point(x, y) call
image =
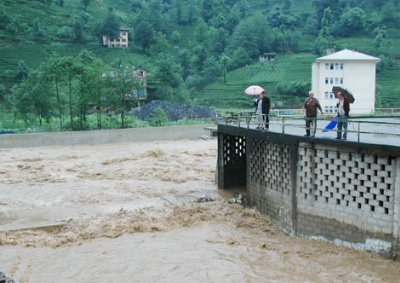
point(332, 124)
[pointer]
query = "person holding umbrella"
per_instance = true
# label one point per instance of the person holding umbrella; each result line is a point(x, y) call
point(263, 105)
point(311, 106)
point(343, 115)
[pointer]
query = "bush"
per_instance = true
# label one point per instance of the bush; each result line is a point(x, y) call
point(158, 118)
point(298, 88)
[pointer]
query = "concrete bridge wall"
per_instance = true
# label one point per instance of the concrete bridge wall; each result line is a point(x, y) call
point(103, 136)
point(343, 192)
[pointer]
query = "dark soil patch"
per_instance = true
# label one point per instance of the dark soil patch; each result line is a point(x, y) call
point(174, 111)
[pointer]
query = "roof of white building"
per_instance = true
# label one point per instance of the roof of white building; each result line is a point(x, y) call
point(347, 54)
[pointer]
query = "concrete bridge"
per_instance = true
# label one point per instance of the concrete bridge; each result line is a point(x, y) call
point(345, 192)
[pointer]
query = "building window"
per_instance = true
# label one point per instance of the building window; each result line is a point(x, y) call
point(331, 66)
point(341, 66)
point(336, 81)
point(341, 81)
point(331, 81)
point(326, 66)
point(326, 95)
point(124, 40)
point(326, 81)
point(336, 66)
point(330, 109)
point(331, 95)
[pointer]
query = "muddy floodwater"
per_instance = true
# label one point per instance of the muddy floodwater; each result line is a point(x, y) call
point(150, 212)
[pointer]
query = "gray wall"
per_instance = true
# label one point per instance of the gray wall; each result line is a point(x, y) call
point(104, 136)
point(342, 192)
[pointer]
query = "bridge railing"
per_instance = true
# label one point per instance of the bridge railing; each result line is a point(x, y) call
point(354, 126)
point(294, 119)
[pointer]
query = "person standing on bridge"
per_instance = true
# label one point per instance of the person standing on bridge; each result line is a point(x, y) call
point(310, 107)
point(258, 104)
point(343, 115)
point(263, 105)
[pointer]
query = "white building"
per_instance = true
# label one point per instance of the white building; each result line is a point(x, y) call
point(121, 41)
point(350, 70)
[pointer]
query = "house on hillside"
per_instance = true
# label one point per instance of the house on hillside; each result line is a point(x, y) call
point(350, 70)
point(138, 80)
point(120, 42)
point(267, 57)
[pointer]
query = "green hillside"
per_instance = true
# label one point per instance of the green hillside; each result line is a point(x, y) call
point(285, 68)
point(190, 38)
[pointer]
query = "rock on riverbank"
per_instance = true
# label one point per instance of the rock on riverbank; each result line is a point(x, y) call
point(174, 111)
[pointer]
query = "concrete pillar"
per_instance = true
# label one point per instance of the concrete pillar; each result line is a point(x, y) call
point(396, 212)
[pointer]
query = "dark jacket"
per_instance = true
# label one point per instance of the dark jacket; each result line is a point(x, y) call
point(266, 105)
point(312, 105)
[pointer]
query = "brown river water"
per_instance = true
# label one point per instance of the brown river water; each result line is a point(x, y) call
point(150, 212)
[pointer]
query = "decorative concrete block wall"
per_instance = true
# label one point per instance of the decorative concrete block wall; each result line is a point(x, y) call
point(270, 175)
point(349, 193)
point(343, 192)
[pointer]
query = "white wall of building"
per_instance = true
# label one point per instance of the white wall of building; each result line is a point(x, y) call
point(350, 70)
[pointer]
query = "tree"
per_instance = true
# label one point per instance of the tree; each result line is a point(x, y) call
point(158, 118)
point(144, 35)
point(37, 31)
point(179, 11)
point(161, 44)
point(352, 22)
point(78, 33)
point(3, 91)
point(253, 35)
point(5, 19)
point(219, 41)
point(380, 34)
point(40, 94)
point(48, 3)
point(198, 57)
point(22, 102)
point(121, 91)
point(324, 38)
point(336, 7)
point(31, 99)
point(240, 58)
point(110, 27)
point(53, 72)
point(233, 18)
point(22, 71)
point(86, 3)
point(191, 12)
point(225, 60)
point(201, 34)
point(91, 85)
point(296, 88)
point(169, 76)
point(72, 69)
point(311, 25)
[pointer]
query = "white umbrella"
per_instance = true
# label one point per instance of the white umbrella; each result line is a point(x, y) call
point(253, 90)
